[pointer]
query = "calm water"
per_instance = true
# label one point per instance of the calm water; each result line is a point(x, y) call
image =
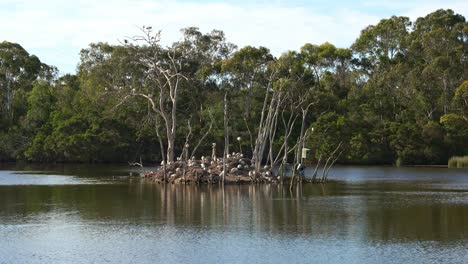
point(94, 214)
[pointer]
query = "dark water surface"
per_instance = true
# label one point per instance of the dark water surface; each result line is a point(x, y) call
point(94, 214)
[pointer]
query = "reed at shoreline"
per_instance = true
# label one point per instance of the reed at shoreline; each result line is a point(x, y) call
point(458, 162)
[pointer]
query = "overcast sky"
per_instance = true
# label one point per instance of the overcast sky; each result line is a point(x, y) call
point(56, 30)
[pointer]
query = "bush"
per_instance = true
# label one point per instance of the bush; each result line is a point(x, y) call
point(458, 162)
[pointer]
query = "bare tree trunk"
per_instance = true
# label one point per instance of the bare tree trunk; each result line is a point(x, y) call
point(204, 135)
point(184, 155)
point(288, 127)
point(250, 136)
point(226, 137)
point(161, 145)
point(265, 102)
point(331, 165)
point(314, 175)
point(265, 129)
point(301, 139)
point(170, 148)
point(328, 160)
point(271, 136)
point(165, 72)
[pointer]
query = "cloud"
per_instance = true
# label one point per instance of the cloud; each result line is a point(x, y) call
point(56, 30)
point(417, 8)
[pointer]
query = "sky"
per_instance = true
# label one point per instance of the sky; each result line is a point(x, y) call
point(56, 30)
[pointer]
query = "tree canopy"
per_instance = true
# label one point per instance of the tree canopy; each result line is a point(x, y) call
point(398, 95)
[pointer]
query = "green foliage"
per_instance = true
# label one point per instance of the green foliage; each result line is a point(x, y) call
point(399, 96)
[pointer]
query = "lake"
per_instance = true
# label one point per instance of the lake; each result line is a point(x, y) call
point(97, 214)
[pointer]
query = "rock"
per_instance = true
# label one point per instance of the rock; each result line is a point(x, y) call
point(239, 167)
point(233, 170)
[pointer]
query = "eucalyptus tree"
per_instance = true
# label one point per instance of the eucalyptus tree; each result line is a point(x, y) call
point(439, 56)
point(247, 76)
point(380, 49)
point(204, 55)
point(18, 69)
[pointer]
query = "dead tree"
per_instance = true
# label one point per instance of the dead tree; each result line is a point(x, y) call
point(332, 158)
point(184, 154)
point(163, 74)
point(315, 173)
point(267, 125)
point(288, 128)
point(226, 137)
point(207, 132)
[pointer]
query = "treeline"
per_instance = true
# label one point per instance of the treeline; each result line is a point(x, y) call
point(398, 95)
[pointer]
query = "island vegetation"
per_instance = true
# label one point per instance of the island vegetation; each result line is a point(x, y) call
point(398, 95)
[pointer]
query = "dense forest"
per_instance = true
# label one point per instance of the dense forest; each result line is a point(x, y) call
point(398, 95)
